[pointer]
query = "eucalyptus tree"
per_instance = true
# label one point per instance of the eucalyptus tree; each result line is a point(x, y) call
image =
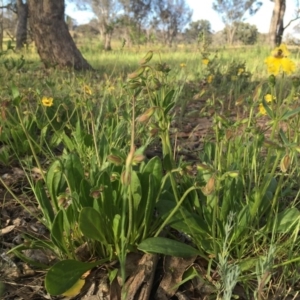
point(51, 35)
point(106, 12)
point(233, 12)
point(21, 28)
point(173, 16)
point(277, 27)
point(136, 15)
point(198, 30)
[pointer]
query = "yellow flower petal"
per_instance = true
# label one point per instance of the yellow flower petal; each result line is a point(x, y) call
point(262, 109)
point(269, 98)
point(210, 78)
point(47, 101)
point(87, 90)
point(205, 61)
point(288, 66)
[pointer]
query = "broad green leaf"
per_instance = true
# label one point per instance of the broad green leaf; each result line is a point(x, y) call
point(287, 219)
point(167, 246)
point(74, 171)
point(75, 289)
point(154, 167)
point(59, 235)
point(136, 190)
point(117, 228)
point(44, 203)
point(55, 181)
point(67, 142)
point(64, 275)
point(91, 225)
point(147, 211)
point(289, 114)
point(183, 220)
point(15, 94)
point(106, 197)
point(168, 98)
point(85, 190)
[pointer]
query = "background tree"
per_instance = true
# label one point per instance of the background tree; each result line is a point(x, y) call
point(137, 15)
point(21, 28)
point(276, 26)
point(246, 33)
point(106, 12)
point(233, 11)
point(51, 35)
point(198, 29)
point(173, 16)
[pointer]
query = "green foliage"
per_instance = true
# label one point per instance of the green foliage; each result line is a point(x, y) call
point(237, 206)
point(246, 33)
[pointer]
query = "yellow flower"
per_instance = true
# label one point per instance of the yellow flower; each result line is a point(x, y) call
point(205, 61)
point(269, 98)
point(262, 109)
point(110, 88)
point(279, 62)
point(182, 65)
point(87, 90)
point(240, 71)
point(47, 101)
point(210, 78)
point(281, 51)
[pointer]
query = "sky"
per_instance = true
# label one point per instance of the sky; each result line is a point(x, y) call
point(202, 10)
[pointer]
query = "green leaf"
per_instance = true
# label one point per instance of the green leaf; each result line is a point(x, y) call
point(183, 220)
point(59, 235)
point(117, 227)
point(287, 219)
point(153, 167)
point(91, 225)
point(64, 274)
point(74, 171)
point(15, 94)
point(136, 190)
point(67, 142)
point(55, 182)
point(168, 98)
point(44, 203)
point(289, 114)
point(167, 246)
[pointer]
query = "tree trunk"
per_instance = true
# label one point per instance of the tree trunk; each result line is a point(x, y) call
point(1, 31)
point(276, 27)
point(21, 30)
point(52, 37)
point(107, 42)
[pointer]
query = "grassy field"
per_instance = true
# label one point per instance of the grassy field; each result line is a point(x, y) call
point(190, 152)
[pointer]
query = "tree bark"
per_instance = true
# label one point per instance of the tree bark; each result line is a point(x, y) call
point(52, 37)
point(276, 27)
point(21, 30)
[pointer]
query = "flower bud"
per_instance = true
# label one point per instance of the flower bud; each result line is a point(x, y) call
point(210, 186)
point(202, 167)
point(136, 73)
point(125, 178)
point(272, 80)
point(285, 163)
point(115, 159)
point(233, 174)
point(147, 58)
point(138, 158)
point(146, 115)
